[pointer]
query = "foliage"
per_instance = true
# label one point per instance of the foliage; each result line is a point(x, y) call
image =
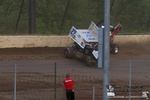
point(58, 16)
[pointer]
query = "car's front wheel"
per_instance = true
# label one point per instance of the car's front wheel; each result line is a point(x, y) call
point(68, 52)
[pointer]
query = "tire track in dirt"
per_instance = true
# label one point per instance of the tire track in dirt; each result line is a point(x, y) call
point(90, 76)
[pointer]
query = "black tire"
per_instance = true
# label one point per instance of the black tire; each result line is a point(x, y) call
point(114, 49)
point(68, 52)
point(88, 60)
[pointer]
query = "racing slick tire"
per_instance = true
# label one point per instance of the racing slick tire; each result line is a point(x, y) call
point(114, 49)
point(88, 60)
point(68, 52)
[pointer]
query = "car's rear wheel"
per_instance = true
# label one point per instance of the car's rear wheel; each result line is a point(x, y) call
point(114, 49)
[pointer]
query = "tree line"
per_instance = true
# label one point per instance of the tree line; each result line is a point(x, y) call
point(58, 16)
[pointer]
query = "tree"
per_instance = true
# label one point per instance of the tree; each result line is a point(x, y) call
point(134, 15)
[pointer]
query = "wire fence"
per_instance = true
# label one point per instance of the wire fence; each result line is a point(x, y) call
point(45, 81)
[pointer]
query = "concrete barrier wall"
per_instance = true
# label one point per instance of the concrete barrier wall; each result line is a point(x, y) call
point(132, 39)
point(34, 41)
point(62, 41)
point(132, 44)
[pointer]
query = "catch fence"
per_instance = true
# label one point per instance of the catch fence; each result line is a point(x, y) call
point(45, 81)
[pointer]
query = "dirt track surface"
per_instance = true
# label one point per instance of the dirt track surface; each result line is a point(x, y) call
point(86, 77)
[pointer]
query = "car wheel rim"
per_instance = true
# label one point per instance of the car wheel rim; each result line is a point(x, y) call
point(116, 50)
point(66, 52)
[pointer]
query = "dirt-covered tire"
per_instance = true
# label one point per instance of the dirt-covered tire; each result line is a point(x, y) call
point(114, 49)
point(68, 52)
point(88, 60)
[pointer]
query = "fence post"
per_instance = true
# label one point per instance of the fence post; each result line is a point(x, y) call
point(93, 92)
point(130, 80)
point(15, 69)
point(55, 83)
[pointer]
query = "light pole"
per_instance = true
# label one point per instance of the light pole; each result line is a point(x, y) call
point(106, 48)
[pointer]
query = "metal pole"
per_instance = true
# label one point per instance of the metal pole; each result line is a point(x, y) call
point(130, 80)
point(55, 83)
point(15, 81)
point(93, 92)
point(106, 47)
point(100, 48)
